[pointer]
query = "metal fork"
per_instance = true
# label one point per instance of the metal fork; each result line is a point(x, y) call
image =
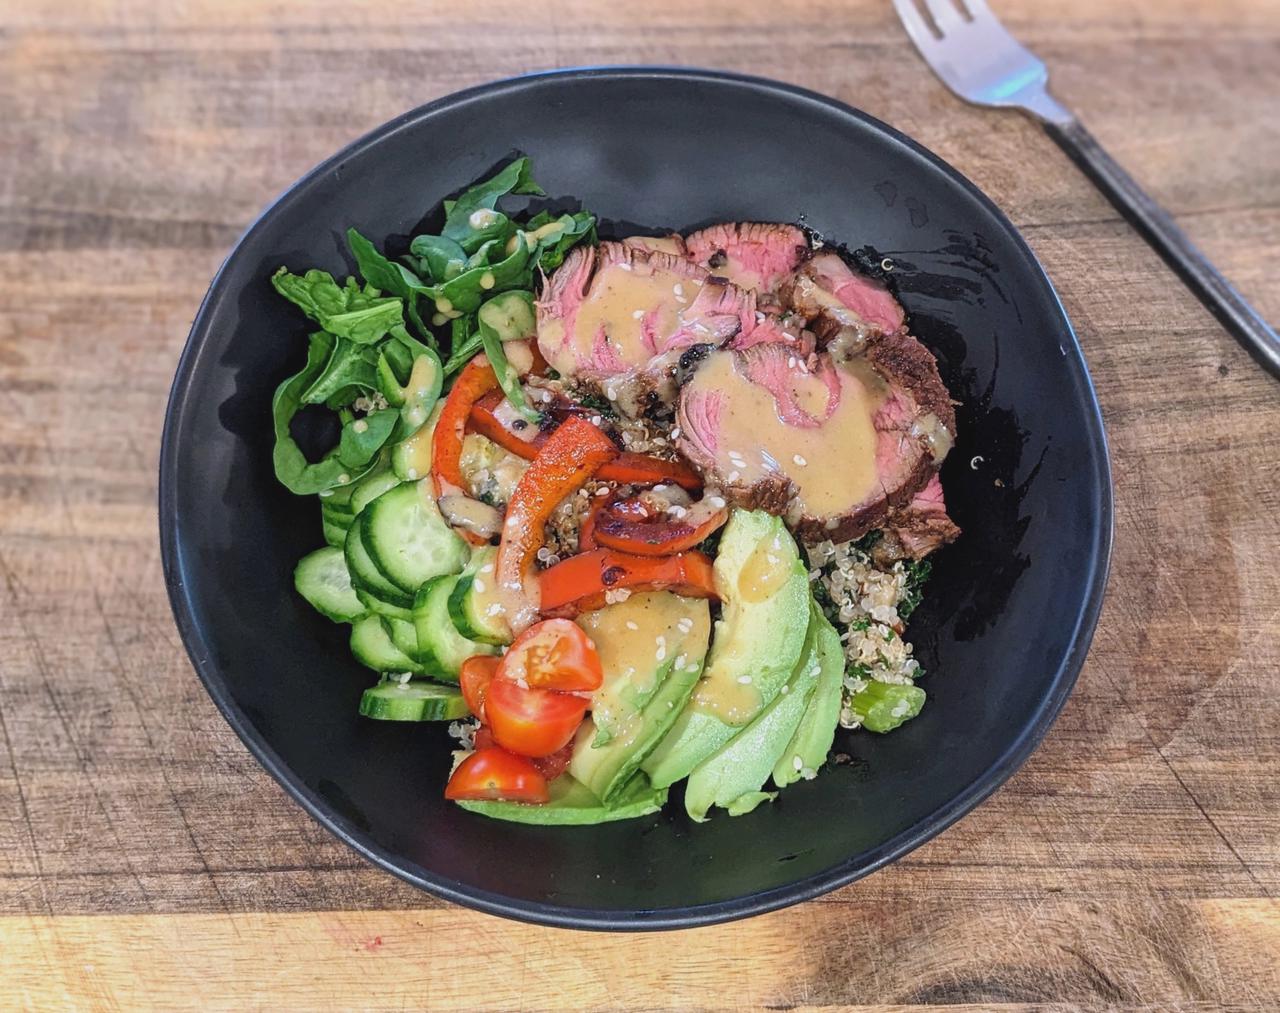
point(968, 47)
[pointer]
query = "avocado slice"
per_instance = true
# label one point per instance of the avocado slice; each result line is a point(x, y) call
point(641, 641)
point(636, 706)
point(809, 746)
point(733, 776)
point(764, 587)
point(572, 804)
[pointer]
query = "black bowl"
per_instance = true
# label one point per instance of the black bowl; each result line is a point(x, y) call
point(1007, 618)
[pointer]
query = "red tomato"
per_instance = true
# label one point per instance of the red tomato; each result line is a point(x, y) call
point(474, 678)
point(495, 774)
point(549, 767)
point(532, 722)
point(553, 766)
point(553, 654)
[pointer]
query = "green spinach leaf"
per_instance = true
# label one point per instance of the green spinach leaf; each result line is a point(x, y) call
point(458, 226)
point(350, 312)
point(294, 471)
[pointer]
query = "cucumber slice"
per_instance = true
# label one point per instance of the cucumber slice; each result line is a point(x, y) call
point(321, 577)
point(408, 540)
point(365, 574)
point(334, 535)
point(372, 647)
point(404, 635)
point(383, 608)
point(441, 648)
point(473, 599)
point(413, 701)
point(371, 488)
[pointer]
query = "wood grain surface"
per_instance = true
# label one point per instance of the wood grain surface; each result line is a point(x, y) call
point(147, 861)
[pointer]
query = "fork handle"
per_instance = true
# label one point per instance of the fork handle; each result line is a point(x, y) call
point(1240, 319)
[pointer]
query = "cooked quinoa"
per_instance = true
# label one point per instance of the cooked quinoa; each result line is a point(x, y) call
point(865, 598)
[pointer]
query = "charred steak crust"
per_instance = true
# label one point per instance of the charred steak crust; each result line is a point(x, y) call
point(906, 363)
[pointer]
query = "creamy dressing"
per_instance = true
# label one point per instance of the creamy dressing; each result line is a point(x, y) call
point(628, 313)
point(637, 639)
point(831, 466)
point(764, 572)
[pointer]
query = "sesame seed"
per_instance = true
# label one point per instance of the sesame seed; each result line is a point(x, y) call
point(799, 460)
point(733, 476)
point(478, 584)
point(791, 362)
point(493, 609)
point(798, 764)
point(675, 433)
point(744, 680)
point(638, 314)
point(632, 625)
point(624, 267)
point(685, 625)
point(678, 289)
point(716, 502)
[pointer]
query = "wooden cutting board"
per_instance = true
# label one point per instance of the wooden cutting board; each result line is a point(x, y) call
point(146, 860)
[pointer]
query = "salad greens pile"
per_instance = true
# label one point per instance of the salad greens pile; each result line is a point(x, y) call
point(427, 304)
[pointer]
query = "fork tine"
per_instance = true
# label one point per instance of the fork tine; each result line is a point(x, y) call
point(945, 15)
point(920, 31)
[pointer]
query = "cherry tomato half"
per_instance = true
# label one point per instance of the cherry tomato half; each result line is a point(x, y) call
point(494, 773)
point(473, 680)
point(549, 767)
point(532, 722)
point(553, 654)
point(554, 765)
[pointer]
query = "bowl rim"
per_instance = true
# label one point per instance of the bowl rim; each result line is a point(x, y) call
point(1013, 756)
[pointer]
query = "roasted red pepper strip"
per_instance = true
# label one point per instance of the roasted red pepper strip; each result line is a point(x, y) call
point(621, 526)
point(476, 380)
point(571, 456)
point(626, 469)
point(485, 421)
point(641, 469)
point(579, 584)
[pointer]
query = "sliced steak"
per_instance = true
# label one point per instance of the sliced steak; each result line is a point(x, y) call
point(914, 531)
point(784, 330)
point(618, 310)
point(839, 443)
point(672, 244)
point(841, 303)
point(754, 255)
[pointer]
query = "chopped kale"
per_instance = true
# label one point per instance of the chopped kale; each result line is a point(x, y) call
point(917, 573)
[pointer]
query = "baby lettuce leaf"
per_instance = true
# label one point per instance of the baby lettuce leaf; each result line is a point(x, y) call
point(389, 276)
point(574, 229)
point(438, 258)
point(350, 312)
point(361, 439)
point(350, 371)
point(515, 178)
point(508, 378)
point(464, 349)
point(358, 446)
point(466, 292)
